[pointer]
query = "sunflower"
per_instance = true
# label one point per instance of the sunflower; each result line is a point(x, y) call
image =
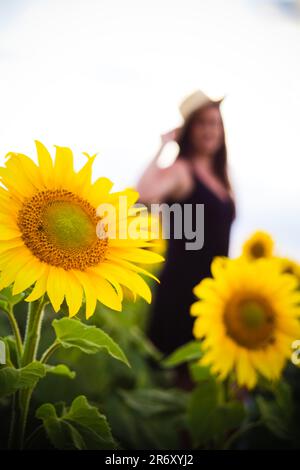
point(248, 317)
point(259, 245)
point(49, 232)
point(290, 266)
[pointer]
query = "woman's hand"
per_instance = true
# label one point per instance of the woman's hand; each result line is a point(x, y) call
point(170, 136)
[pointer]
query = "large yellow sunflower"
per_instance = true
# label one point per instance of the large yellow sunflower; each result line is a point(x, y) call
point(248, 316)
point(48, 221)
point(259, 245)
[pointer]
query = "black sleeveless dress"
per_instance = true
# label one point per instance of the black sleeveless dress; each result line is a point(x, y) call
point(171, 323)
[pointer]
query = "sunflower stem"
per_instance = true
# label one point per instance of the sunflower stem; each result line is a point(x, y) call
point(19, 350)
point(12, 422)
point(31, 343)
point(240, 432)
point(33, 330)
point(54, 346)
point(16, 332)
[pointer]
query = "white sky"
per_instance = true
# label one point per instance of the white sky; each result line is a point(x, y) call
point(107, 76)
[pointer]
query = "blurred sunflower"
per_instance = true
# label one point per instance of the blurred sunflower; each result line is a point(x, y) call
point(48, 234)
point(290, 266)
point(248, 317)
point(259, 245)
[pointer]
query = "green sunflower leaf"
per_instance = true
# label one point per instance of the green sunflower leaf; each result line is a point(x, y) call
point(72, 333)
point(199, 372)
point(61, 369)
point(186, 353)
point(81, 427)
point(12, 380)
point(6, 296)
point(277, 414)
point(201, 412)
point(208, 419)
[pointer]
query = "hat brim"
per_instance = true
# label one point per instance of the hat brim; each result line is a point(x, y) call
point(181, 127)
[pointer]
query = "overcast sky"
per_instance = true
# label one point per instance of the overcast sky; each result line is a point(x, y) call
point(107, 76)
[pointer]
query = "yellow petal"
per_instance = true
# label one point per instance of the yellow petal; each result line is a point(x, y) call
point(129, 279)
point(8, 203)
point(40, 287)
point(89, 291)
point(27, 276)
point(73, 293)
point(109, 276)
point(55, 287)
point(137, 255)
point(245, 371)
point(30, 169)
point(84, 175)
point(9, 244)
point(12, 262)
point(63, 167)
point(130, 266)
point(45, 164)
point(18, 191)
point(97, 193)
point(7, 233)
point(106, 294)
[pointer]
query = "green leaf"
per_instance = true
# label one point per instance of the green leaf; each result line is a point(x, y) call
point(277, 413)
point(12, 380)
point(81, 427)
point(149, 402)
point(230, 416)
point(199, 373)
point(61, 369)
point(208, 419)
point(201, 412)
point(6, 296)
point(72, 333)
point(186, 353)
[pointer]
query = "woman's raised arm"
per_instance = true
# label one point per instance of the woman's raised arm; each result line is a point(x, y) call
point(158, 184)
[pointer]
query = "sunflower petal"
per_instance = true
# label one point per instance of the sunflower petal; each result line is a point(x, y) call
point(74, 293)
point(89, 291)
point(40, 287)
point(45, 164)
point(27, 276)
point(63, 167)
point(56, 287)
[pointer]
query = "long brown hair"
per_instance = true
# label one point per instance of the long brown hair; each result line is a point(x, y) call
point(219, 164)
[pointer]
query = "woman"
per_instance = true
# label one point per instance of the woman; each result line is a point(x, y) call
point(198, 176)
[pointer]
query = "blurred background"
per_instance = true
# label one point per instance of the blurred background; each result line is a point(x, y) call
point(107, 76)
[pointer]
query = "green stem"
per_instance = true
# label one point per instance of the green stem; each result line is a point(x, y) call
point(240, 432)
point(49, 352)
point(16, 331)
point(24, 404)
point(31, 343)
point(33, 329)
point(19, 350)
point(12, 423)
point(33, 435)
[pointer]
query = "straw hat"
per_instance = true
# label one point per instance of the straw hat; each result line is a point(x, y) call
point(195, 101)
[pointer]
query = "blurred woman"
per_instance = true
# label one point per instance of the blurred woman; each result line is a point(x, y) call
point(198, 176)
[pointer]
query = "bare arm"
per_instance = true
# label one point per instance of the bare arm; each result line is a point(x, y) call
point(158, 184)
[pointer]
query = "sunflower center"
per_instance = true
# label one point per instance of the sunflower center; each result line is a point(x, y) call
point(68, 225)
point(258, 250)
point(250, 323)
point(59, 228)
